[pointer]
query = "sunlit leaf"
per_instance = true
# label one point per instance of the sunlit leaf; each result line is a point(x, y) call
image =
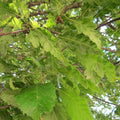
point(36, 100)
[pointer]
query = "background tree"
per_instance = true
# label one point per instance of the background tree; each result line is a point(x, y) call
point(56, 61)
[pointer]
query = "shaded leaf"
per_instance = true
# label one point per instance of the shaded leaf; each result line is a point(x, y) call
point(4, 115)
point(38, 37)
point(87, 27)
point(58, 113)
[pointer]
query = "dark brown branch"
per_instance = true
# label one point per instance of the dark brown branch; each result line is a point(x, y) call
point(74, 5)
point(4, 107)
point(116, 63)
point(19, 31)
point(38, 13)
point(45, 18)
point(34, 9)
point(104, 101)
point(13, 32)
point(108, 49)
point(79, 68)
point(35, 3)
point(107, 23)
point(54, 32)
point(64, 49)
point(111, 59)
point(111, 26)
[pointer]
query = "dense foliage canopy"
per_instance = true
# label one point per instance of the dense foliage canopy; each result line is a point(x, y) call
point(57, 57)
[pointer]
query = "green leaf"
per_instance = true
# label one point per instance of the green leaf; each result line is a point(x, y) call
point(5, 11)
point(4, 44)
point(75, 76)
point(35, 24)
point(110, 71)
point(76, 106)
point(36, 100)
point(33, 38)
point(12, 85)
point(58, 113)
point(51, 22)
point(117, 111)
point(22, 117)
point(16, 23)
point(37, 37)
point(20, 7)
point(56, 6)
point(8, 97)
point(93, 36)
point(87, 27)
point(97, 67)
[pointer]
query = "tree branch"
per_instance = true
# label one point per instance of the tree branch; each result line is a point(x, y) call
point(45, 18)
point(30, 4)
point(19, 31)
point(54, 32)
point(3, 107)
point(74, 5)
point(104, 101)
point(108, 49)
point(107, 23)
point(38, 13)
point(13, 32)
point(116, 63)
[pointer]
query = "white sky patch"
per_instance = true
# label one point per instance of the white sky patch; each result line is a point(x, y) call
point(14, 74)
point(103, 29)
point(113, 47)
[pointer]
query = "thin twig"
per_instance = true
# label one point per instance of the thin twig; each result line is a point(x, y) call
point(108, 49)
point(74, 5)
point(107, 23)
point(54, 32)
point(112, 57)
point(13, 32)
point(45, 18)
point(19, 31)
point(30, 4)
point(116, 63)
point(3, 107)
point(104, 101)
point(64, 49)
point(38, 13)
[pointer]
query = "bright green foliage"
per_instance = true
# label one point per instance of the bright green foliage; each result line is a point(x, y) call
point(37, 99)
point(51, 22)
point(20, 7)
point(54, 54)
point(17, 23)
point(75, 105)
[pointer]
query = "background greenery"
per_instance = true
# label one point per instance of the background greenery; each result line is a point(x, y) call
point(59, 59)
